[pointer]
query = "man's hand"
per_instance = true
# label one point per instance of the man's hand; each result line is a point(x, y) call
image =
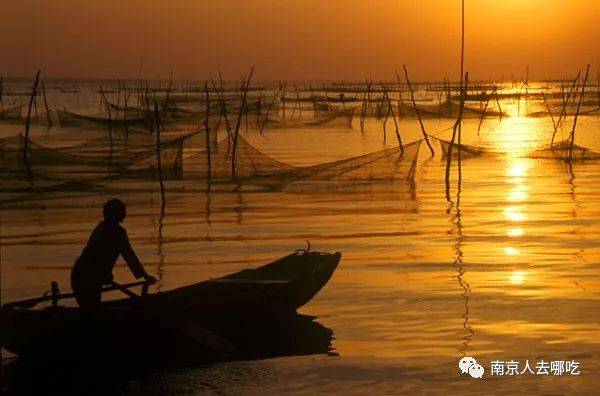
point(150, 278)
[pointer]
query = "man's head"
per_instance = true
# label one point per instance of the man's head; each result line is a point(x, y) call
point(114, 211)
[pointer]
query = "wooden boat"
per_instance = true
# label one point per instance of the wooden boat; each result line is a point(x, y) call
point(189, 318)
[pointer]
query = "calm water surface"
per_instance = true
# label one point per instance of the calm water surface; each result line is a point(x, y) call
point(505, 270)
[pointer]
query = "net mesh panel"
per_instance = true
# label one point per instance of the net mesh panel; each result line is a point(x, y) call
point(561, 150)
point(385, 165)
point(254, 166)
point(250, 162)
point(90, 161)
point(466, 151)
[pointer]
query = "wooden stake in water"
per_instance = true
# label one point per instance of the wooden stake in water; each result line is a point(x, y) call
point(236, 132)
point(158, 158)
point(126, 100)
point(549, 110)
point(597, 88)
point(587, 71)
point(28, 120)
point(207, 132)
point(400, 100)
point(487, 103)
point(391, 111)
point(266, 117)
point(563, 112)
point(462, 94)
point(46, 105)
point(412, 97)
point(109, 118)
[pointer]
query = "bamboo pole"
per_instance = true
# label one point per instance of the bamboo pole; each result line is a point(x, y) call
point(110, 138)
point(487, 102)
point(400, 100)
point(498, 101)
point(158, 158)
point(266, 117)
point(207, 131)
point(243, 95)
point(391, 110)
point(597, 88)
point(456, 128)
point(587, 71)
point(363, 109)
point(462, 101)
point(28, 120)
point(126, 100)
point(387, 115)
point(563, 112)
point(412, 97)
point(549, 110)
point(46, 105)
point(283, 98)
point(223, 108)
point(460, 115)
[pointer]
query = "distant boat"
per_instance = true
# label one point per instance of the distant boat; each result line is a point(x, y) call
point(187, 316)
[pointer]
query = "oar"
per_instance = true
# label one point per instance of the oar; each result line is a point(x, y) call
point(55, 297)
point(123, 289)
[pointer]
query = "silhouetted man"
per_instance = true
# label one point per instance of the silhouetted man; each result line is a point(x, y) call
point(95, 265)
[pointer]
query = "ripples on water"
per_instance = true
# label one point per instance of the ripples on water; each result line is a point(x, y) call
point(506, 270)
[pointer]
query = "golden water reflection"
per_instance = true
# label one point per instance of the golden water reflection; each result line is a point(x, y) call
point(517, 277)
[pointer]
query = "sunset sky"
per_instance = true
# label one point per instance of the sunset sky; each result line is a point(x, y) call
point(297, 39)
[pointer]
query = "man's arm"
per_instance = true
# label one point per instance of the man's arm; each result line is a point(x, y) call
point(132, 260)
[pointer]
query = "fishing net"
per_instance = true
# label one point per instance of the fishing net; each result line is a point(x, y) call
point(253, 166)
point(390, 164)
point(93, 160)
point(249, 162)
point(466, 151)
point(562, 151)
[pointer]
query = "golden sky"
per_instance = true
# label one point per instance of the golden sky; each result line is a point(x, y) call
point(297, 39)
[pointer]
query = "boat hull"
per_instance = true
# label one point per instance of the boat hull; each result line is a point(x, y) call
point(191, 318)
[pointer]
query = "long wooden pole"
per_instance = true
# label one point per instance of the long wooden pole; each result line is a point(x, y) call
point(109, 117)
point(549, 110)
point(391, 110)
point(28, 121)
point(266, 117)
point(412, 97)
point(597, 88)
point(400, 101)
point(46, 105)
point(587, 71)
point(237, 125)
point(207, 132)
point(459, 119)
point(563, 112)
point(158, 158)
